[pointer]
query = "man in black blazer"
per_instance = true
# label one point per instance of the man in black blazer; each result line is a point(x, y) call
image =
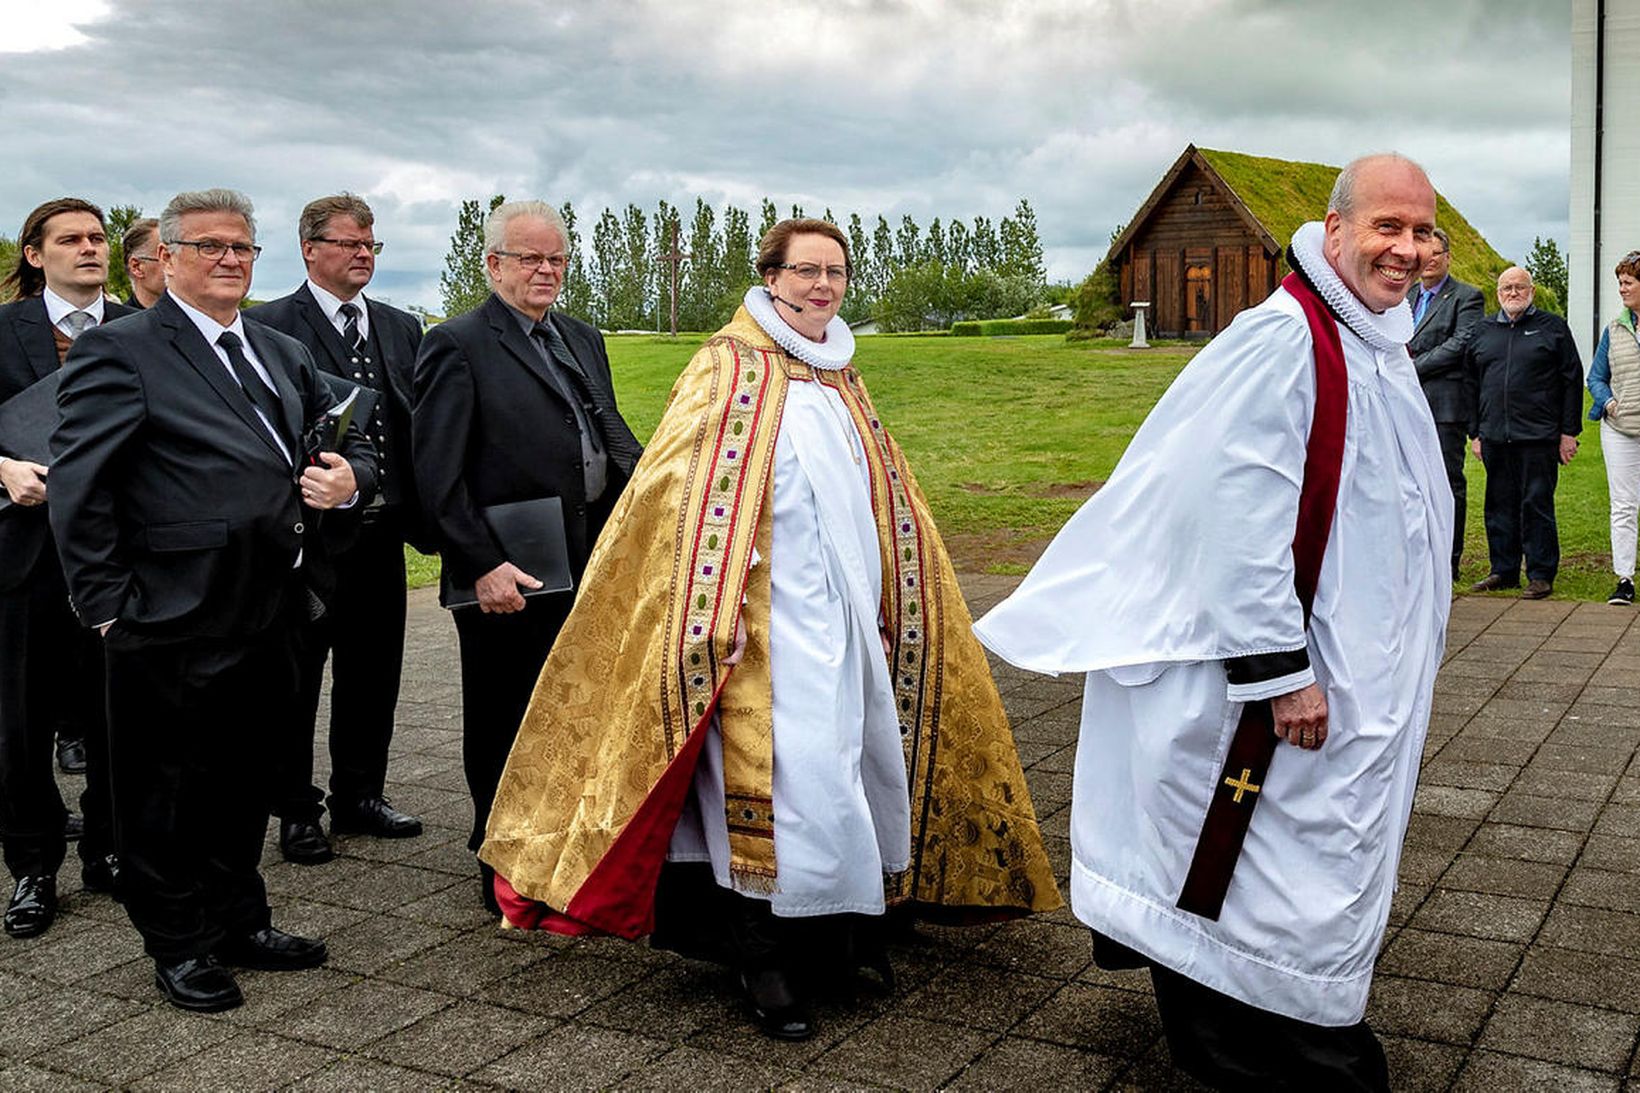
point(180, 502)
point(512, 403)
point(1445, 311)
point(50, 670)
point(374, 346)
point(140, 245)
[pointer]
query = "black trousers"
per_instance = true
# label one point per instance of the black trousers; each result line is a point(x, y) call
point(1520, 507)
point(51, 672)
point(363, 635)
point(1230, 1045)
point(501, 658)
point(192, 724)
point(1454, 446)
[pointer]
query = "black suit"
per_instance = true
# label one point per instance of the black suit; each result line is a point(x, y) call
point(363, 630)
point(1437, 349)
point(491, 424)
point(177, 514)
point(50, 670)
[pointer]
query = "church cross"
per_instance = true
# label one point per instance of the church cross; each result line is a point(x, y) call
point(1244, 784)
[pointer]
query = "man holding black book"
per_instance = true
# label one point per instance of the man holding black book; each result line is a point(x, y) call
point(51, 672)
point(367, 343)
point(513, 404)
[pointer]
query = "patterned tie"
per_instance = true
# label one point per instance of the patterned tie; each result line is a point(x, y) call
point(623, 448)
point(350, 327)
point(77, 322)
point(263, 397)
point(1424, 296)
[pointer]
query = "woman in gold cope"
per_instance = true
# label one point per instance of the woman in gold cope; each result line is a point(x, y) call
point(768, 684)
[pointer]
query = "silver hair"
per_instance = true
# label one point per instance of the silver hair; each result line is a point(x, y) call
point(204, 201)
point(1342, 200)
point(495, 228)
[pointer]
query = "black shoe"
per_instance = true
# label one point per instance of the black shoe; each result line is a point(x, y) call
point(1537, 590)
point(1492, 582)
point(779, 1012)
point(101, 875)
point(199, 984)
point(33, 905)
point(272, 950)
point(372, 816)
point(71, 756)
point(304, 842)
point(1623, 595)
point(73, 826)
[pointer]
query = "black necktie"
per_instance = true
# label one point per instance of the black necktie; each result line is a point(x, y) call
point(263, 397)
point(350, 327)
point(599, 405)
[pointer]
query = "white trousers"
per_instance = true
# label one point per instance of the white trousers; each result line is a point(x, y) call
point(1622, 455)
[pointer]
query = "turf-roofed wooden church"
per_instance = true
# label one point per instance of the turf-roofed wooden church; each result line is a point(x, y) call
point(1210, 239)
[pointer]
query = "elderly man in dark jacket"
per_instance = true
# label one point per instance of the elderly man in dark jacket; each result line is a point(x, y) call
point(1523, 368)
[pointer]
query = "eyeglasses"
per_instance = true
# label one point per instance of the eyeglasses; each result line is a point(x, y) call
point(143, 258)
point(374, 246)
point(1511, 289)
point(809, 271)
point(531, 260)
point(213, 251)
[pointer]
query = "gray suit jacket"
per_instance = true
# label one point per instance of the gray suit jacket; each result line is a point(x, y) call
point(1437, 347)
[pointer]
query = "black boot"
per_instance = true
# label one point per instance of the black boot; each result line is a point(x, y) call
point(763, 960)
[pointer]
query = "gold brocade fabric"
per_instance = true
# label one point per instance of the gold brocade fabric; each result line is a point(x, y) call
point(638, 664)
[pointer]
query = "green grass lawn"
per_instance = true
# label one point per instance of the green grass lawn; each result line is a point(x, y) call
point(1008, 436)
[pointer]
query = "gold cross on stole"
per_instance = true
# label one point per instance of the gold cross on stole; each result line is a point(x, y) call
point(1244, 784)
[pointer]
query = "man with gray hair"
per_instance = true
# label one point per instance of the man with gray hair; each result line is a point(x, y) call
point(513, 403)
point(1258, 598)
point(182, 488)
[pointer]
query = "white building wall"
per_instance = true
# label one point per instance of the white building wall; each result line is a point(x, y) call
point(1594, 293)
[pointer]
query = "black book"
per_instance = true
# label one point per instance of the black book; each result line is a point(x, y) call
point(531, 537)
point(27, 420)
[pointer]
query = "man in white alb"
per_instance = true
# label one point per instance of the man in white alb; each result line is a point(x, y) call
point(1180, 589)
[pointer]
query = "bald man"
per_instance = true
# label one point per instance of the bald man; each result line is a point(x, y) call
point(1522, 366)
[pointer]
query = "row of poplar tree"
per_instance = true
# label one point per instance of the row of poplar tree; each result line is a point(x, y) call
point(908, 278)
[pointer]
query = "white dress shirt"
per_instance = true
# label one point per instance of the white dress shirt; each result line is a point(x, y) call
point(331, 305)
point(212, 330)
point(58, 310)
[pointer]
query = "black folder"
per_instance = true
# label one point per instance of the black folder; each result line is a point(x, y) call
point(27, 420)
point(531, 537)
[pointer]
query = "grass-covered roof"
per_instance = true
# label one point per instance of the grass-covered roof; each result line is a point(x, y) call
point(1282, 194)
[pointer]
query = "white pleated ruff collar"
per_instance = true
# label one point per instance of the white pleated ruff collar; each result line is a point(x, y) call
point(1388, 331)
point(832, 354)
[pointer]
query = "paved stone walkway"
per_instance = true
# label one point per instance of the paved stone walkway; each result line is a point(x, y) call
point(1513, 959)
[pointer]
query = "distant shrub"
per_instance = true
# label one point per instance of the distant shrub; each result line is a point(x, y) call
point(990, 328)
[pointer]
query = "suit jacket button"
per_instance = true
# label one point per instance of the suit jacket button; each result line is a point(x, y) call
point(580, 510)
point(357, 376)
point(299, 528)
point(569, 419)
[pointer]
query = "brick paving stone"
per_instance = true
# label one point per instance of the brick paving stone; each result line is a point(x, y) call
point(1589, 760)
point(702, 1072)
point(1112, 1022)
point(1526, 843)
point(1495, 749)
point(1418, 1066)
point(352, 1074)
point(376, 941)
point(1039, 948)
point(1588, 979)
point(1598, 888)
point(573, 1057)
point(1559, 1032)
point(1475, 914)
point(357, 1014)
point(138, 1046)
point(1468, 775)
point(460, 1039)
point(1612, 852)
point(1592, 929)
point(1426, 831)
point(1554, 812)
point(1437, 800)
point(1427, 1010)
point(562, 986)
point(1154, 1072)
point(1018, 1064)
point(904, 1052)
point(1580, 785)
point(24, 1078)
point(675, 1002)
point(57, 1017)
point(981, 995)
point(248, 1060)
point(1620, 820)
point(1479, 732)
point(1448, 958)
point(1422, 868)
point(470, 963)
point(1503, 876)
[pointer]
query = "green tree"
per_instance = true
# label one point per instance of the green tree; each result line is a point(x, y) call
point(574, 297)
point(1021, 246)
point(857, 303)
point(608, 257)
point(120, 218)
point(635, 279)
point(934, 245)
point(739, 256)
point(958, 246)
point(1548, 268)
point(767, 218)
point(664, 221)
point(701, 301)
point(985, 251)
point(464, 284)
point(8, 258)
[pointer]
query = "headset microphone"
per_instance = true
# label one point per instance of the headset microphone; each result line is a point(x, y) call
point(788, 303)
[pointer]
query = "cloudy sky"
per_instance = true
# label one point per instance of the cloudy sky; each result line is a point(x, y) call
point(929, 107)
